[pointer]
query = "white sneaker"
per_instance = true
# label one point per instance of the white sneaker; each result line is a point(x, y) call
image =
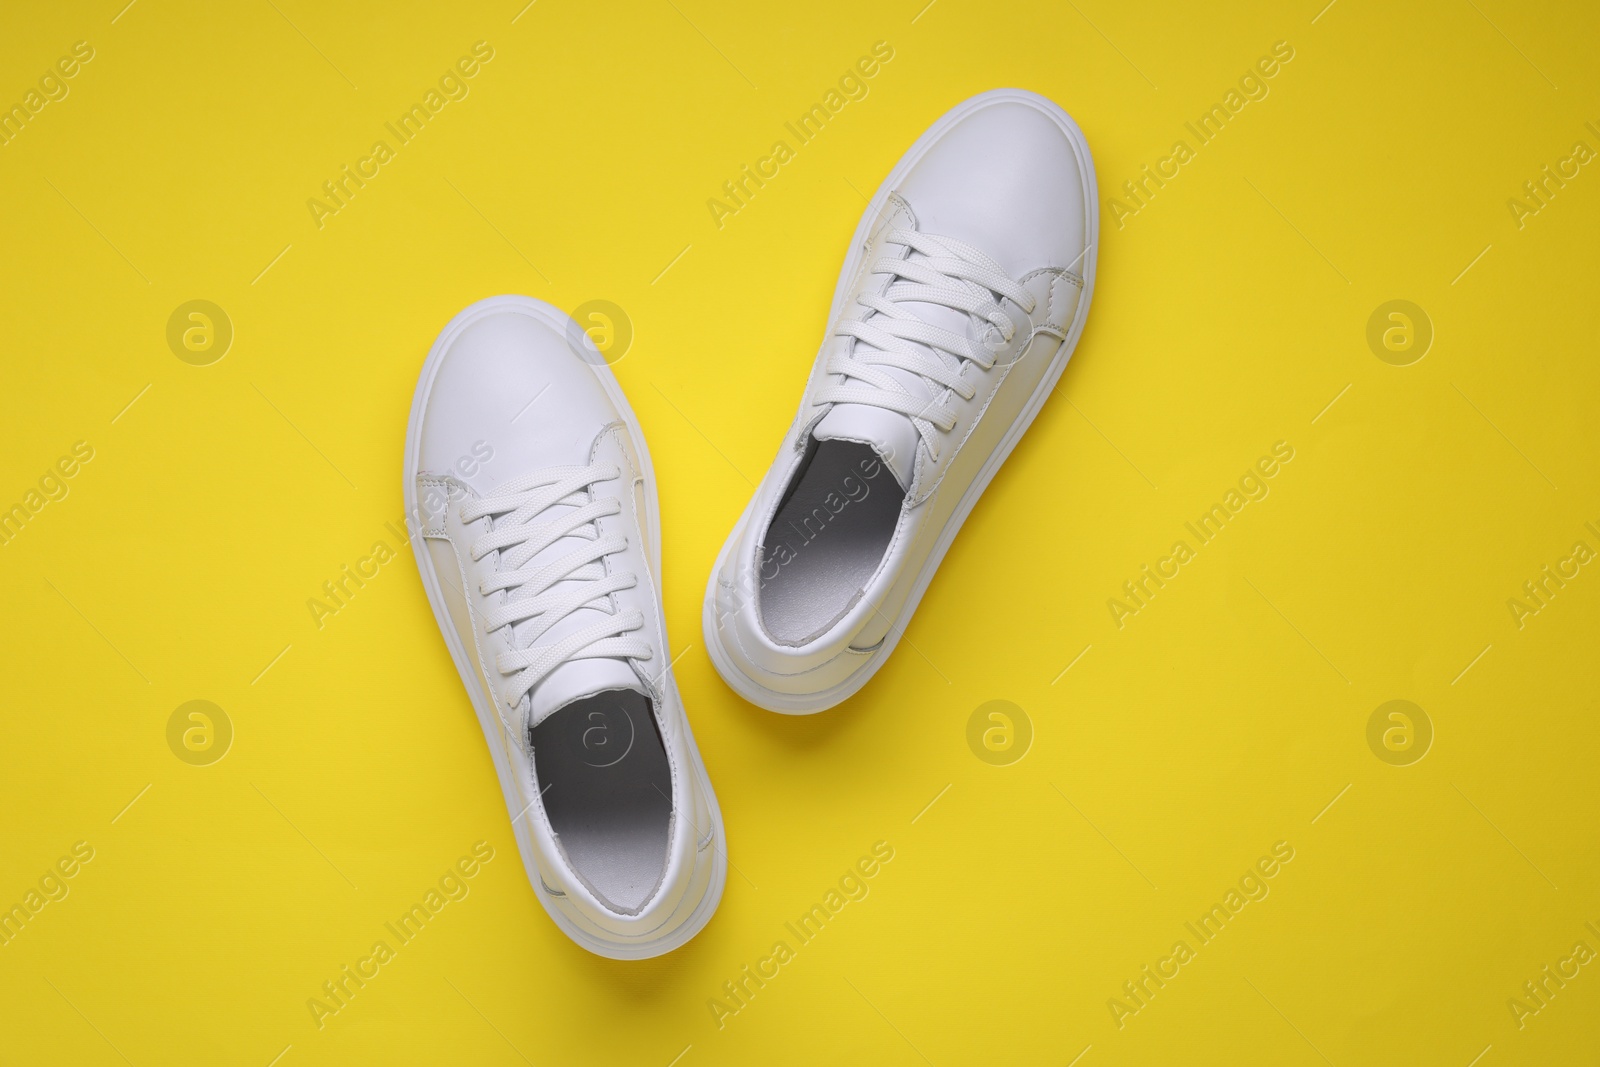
point(530, 483)
point(961, 299)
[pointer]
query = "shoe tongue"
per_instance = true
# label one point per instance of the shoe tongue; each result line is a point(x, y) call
point(892, 436)
point(577, 679)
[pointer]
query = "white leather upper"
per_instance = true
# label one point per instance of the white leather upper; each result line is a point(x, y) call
point(480, 393)
point(1004, 177)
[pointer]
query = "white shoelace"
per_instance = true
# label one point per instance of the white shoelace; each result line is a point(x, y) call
point(952, 274)
point(533, 595)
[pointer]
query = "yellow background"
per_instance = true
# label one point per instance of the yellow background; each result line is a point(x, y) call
point(1224, 717)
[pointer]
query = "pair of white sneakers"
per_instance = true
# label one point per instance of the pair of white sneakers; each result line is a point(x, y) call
point(526, 474)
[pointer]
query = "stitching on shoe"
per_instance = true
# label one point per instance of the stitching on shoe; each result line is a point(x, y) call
point(972, 428)
point(436, 482)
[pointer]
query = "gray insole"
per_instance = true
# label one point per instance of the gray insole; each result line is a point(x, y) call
point(608, 793)
point(827, 539)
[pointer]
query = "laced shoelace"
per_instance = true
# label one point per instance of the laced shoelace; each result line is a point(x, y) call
point(533, 594)
point(952, 274)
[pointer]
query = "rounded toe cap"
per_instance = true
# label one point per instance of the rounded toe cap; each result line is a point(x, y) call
point(511, 392)
point(1012, 177)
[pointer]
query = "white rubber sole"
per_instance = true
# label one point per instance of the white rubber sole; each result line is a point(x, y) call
point(811, 703)
point(488, 718)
